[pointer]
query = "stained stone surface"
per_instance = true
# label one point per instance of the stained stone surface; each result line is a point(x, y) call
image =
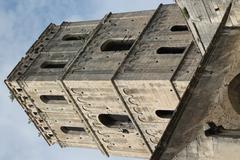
point(114, 84)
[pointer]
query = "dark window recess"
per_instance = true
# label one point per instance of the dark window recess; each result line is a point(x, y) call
point(73, 130)
point(185, 13)
point(217, 9)
point(117, 45)
point(179, 28)
point(164, 113)
point(220, 131)
point(171, 50)
point(74, 37)
point(53, 65)
point(50, 135)
point(53, 99)
point(116, 121)
point(19, 89)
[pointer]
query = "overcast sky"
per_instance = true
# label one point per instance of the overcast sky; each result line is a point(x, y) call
point(21, 22)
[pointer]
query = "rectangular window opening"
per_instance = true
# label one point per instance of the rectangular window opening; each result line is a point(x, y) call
point(171, 50)
point(165, 113)
point(73, 130)
point(53, 64)
point(53, 99)
point(122, 122)
point(117, 45)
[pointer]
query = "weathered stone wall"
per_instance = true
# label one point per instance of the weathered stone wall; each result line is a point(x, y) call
point(115, 83)
point(89, 83)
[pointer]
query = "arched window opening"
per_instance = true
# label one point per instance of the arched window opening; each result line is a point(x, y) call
point(117, 45)
point(73, 130)
point(179, 28)
point(220, 131)
point(53, 99)
point(171, 50)
point(164, 113)
point(53, 64)
point(116, 121)
point(74, 37)
point(234, 94)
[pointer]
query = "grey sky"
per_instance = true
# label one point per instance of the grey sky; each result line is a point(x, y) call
point(22, 21)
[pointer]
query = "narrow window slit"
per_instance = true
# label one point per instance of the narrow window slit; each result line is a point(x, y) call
point(171, 50)
point(117, 45)
point(179, 28)
point(74, 37)
point(46, 128)
point(53, 99)
point(167, 114)
point(122, 122)
point(19, 89)
point(73, 130)
point(53, 64)
point(217, 9)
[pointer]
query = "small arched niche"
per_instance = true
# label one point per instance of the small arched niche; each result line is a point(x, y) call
point(234, 93)
point(117, 45)
point(116, 121)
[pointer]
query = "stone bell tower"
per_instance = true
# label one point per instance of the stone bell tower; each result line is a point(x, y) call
point(112, 84)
